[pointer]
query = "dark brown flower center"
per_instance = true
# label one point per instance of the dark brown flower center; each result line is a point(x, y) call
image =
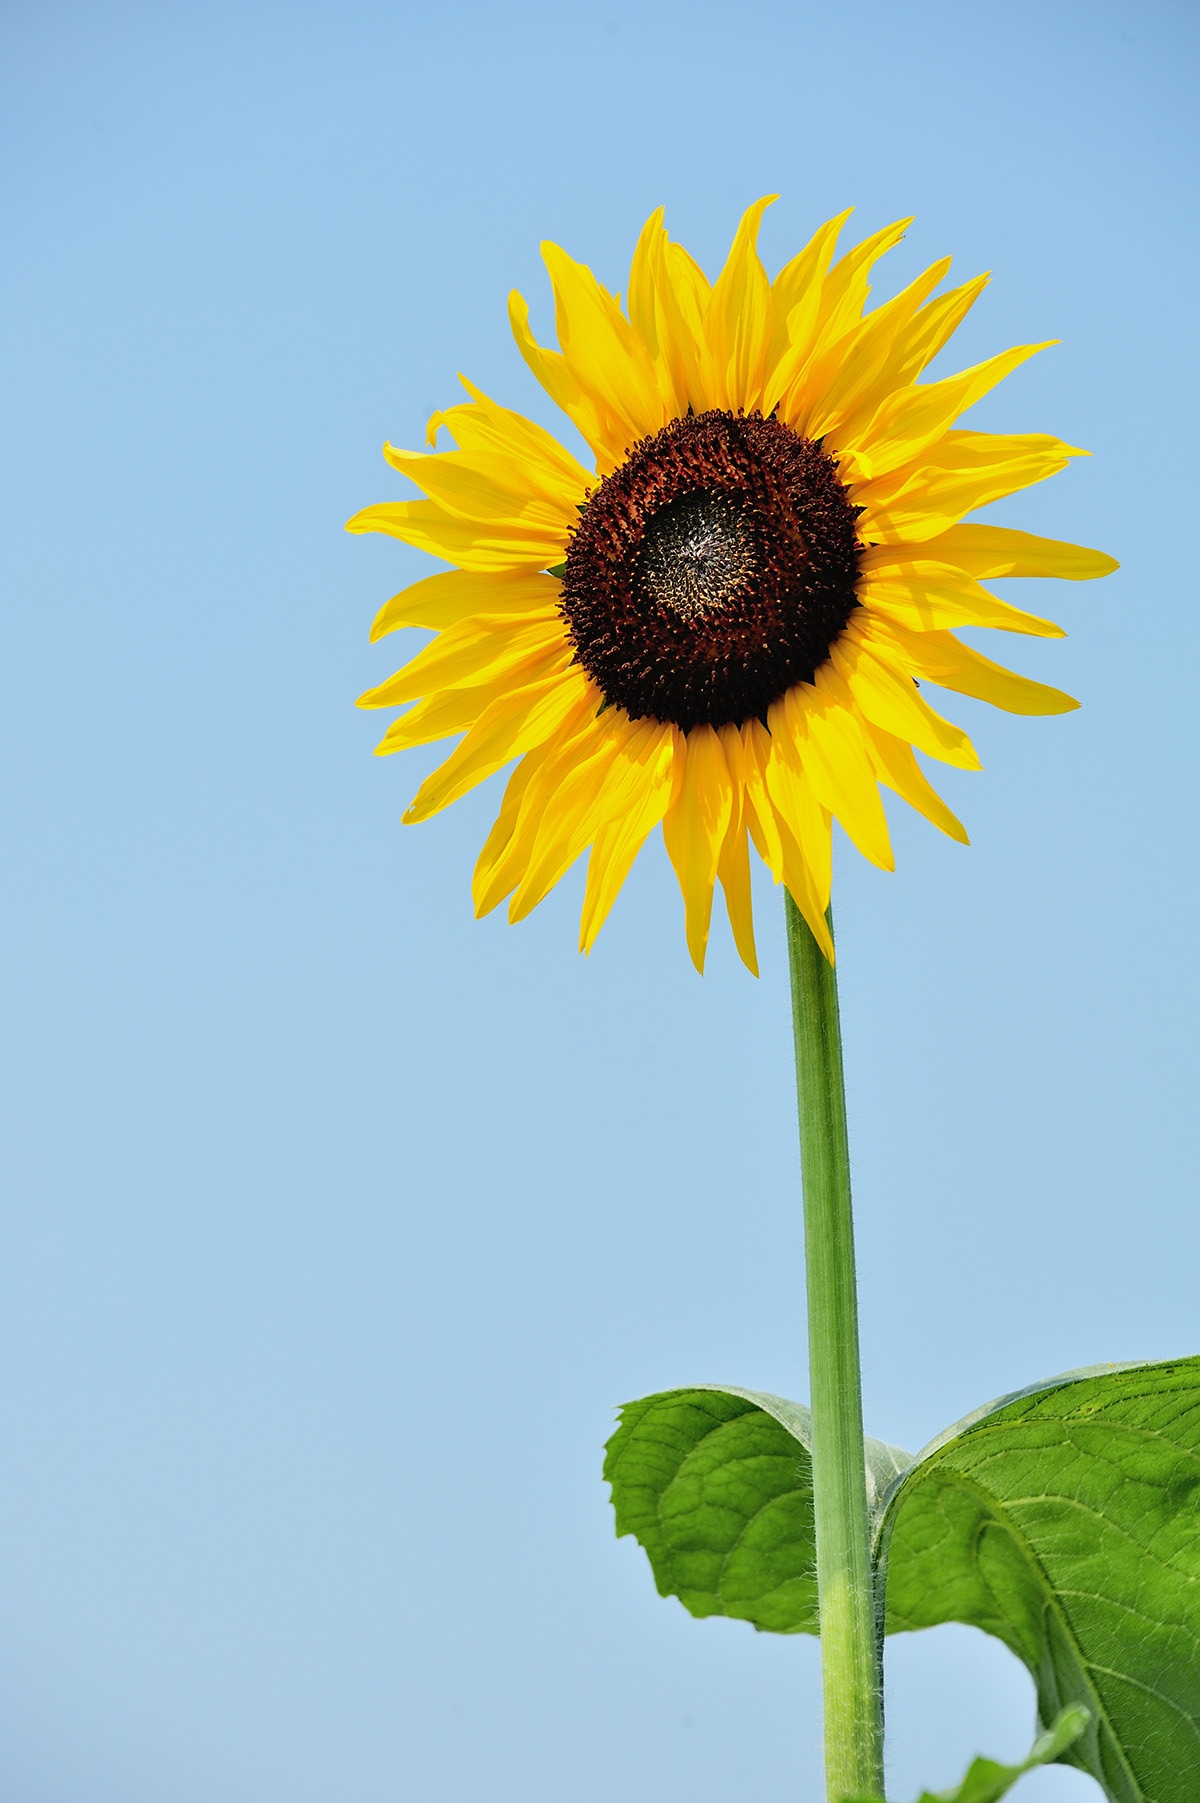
point(711, 571)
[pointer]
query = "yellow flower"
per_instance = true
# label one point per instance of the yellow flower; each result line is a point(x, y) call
point(722, 627)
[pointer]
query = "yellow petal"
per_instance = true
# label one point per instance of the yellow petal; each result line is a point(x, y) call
point(805, 274)
point(508, 727)
point(919, 342)
point(733, 871)
point(888, 698)
point(989, 552)
point(852, 366)
point(565, 389)
point(924, 596)
point(799, 889)
point(848, 284)
point(680, 298)
point(738, 320)
point(452, 595)
point(733, 863)
point(912, 347)
point(602, 350)
point(646, 312)
point(487, 648)
point(791, 829)
point(607, 784)
point(913, 419)
point(488, 885)
point(499, 438)
point(963, 471)
point(643, 309)
point(800, 827)
point(570, 815)
point(622, 835)
point(690, 285)
point(897, 768)
point(668, 305)
point(505, 857)
point(819, 720)
point(438, 718)
point(842, 298)
point(748, 758)
point(795, 306)
point(472, 544)
point(693, 829)
point(939, 657)
point(458, 483)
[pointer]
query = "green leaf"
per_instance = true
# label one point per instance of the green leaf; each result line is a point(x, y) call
point(987, 1782)
point(716, 1483)
point(1064, 1519)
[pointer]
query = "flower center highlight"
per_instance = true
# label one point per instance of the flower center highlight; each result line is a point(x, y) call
point(711, 571)
point(696, 554)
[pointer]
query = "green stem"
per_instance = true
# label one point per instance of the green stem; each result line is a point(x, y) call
point(850, 1662)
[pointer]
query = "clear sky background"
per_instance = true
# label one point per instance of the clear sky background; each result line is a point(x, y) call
point(336, 1223)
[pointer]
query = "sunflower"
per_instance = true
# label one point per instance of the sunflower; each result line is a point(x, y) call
point(726, 626)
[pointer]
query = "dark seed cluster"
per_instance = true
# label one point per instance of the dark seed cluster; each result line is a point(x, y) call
point(711, 571)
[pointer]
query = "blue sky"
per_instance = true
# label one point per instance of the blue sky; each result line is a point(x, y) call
point(338, 1223)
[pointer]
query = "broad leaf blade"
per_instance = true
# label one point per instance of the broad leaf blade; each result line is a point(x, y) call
point(1065, 1520)
point(716, 1484)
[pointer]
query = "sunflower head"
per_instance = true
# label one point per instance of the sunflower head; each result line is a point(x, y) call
point(723, 626)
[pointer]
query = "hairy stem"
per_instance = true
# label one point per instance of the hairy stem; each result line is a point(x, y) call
point(850, 1661)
